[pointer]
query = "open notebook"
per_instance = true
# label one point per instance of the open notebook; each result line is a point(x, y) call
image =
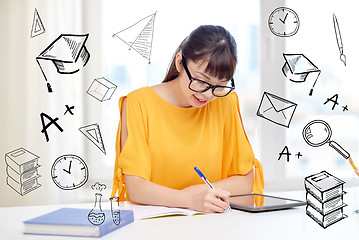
point(147, 212)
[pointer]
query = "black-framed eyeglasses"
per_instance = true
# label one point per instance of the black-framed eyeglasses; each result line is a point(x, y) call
point(200, 86)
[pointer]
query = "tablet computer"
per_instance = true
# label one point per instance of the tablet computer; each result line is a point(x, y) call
point(259, 203)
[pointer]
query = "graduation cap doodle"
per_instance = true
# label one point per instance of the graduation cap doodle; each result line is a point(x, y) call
point(67, 52)
point(299, 69)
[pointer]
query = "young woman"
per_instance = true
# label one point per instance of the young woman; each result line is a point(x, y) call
point(191, 119)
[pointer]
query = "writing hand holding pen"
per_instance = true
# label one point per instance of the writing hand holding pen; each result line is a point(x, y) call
point(218, 199)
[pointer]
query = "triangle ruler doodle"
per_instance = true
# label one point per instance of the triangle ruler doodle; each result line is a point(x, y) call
point(139, 36)
point(92, 132)
point(37, 26)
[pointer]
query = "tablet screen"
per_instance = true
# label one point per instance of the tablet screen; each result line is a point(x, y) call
point(259, 202)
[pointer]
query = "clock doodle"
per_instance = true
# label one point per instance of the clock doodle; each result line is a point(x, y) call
point(69, 172)
point(283, 22)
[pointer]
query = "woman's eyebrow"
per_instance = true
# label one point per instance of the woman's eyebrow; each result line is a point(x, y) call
point(209, 78)
point(204, 75)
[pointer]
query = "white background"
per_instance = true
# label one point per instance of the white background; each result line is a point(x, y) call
point(24, 95)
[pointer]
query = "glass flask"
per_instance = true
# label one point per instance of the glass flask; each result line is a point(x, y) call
point(96, 216)
point(115, 210)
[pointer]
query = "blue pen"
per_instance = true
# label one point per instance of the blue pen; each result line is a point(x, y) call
point(207, 182)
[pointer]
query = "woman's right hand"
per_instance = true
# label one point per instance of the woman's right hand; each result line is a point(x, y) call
point(208, 200)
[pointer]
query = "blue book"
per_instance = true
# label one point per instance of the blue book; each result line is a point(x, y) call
point(77, 222)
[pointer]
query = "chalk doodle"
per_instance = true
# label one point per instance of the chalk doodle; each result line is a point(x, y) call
point(93, 133)
point(96, 216)
point(139, 36)
point(69, 109)
point(318, 132)
point(37, 25)
point(333, 99)
point(338, 37)
point(67, 52)
point(298, 68)
point(115, 210)
point(276, 109)
point(69, 172)
point(45, 127)
point(98, 187)
point(283, 22)
point(324, 194)
point(286, 152)
point(22, 171)
point(102, 89)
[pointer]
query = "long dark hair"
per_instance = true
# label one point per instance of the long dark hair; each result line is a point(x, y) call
point(212, 43)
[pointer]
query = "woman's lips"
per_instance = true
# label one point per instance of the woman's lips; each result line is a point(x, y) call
point(200, 101)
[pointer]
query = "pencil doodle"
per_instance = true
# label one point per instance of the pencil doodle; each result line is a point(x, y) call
point(276, 109)
point(338, 37)
point(22, 171)
point(96, 216)
point(93, 133)
point(37, 25)
point(101, 89)
point(69, 109)
point(298, 68)
point(283, 22)
point(139, 36)
point(69, 172)
point(45, 127)
point(67, 52)
point(324, 194)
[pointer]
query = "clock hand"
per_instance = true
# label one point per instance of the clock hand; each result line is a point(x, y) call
point(70, 167)
point(285, 17)
point(68, 171)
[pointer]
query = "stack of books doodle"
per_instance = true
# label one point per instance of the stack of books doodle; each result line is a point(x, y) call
point(325, 198)
point(22, 170)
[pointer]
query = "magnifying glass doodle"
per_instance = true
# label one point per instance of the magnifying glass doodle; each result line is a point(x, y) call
point(318, 132)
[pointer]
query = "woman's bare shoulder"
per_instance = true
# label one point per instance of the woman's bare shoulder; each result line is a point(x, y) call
point(158, 87)
point(161, 89)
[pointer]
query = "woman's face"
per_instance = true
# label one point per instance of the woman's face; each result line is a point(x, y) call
point(197, 71)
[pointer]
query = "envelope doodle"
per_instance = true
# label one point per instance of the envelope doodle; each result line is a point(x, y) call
point(276, 109)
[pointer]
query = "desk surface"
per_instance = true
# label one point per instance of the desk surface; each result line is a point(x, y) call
point(286, 224)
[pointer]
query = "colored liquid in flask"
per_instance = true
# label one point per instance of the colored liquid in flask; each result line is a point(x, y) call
point(96, 215)
point(115, 209)
point(116, 217)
